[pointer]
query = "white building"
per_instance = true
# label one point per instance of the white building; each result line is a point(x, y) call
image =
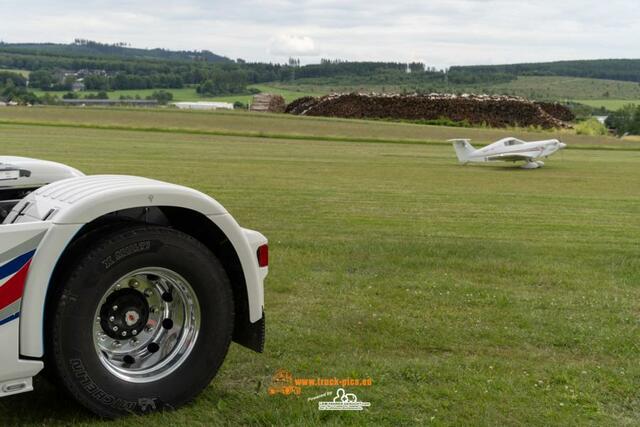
point(204, 105)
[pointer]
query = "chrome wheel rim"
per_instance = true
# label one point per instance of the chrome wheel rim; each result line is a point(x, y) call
point(146, 325)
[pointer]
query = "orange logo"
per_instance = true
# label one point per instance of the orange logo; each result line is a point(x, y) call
point(282, 383)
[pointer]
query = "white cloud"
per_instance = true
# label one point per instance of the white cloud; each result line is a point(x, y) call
point(292, 45)
point(440, 32)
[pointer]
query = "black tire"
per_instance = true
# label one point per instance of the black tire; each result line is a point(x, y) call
point(70, 344)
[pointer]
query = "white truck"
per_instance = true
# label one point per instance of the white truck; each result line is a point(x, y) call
point(127, 291)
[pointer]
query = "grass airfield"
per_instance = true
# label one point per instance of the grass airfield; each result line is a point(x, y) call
point(470, 295)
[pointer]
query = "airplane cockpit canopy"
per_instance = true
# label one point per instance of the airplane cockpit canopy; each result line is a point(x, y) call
point(508, 142)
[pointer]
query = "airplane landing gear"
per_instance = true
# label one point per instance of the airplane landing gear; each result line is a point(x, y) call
point(531, 165)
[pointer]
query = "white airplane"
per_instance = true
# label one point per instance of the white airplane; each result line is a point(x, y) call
point(508, 150)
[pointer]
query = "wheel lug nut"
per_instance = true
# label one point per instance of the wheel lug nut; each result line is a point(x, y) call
point(124, 333)
point(134, 332)
point(116, 344)
point(115, 329)
point(133, 341)
point(133, 283)
point(114, 308)
point(112, 318)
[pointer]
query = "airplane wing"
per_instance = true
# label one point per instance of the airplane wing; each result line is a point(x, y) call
point(512, 157)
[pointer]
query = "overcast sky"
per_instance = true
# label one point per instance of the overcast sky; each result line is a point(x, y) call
point(437, 32)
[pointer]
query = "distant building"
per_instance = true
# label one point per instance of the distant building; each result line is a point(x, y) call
point(84, 72)
point(77, 86)
point(203, 105)
point(267, 103)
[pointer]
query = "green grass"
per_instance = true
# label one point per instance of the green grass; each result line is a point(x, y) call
point(184, 94)
point(478, 295)
point(190, 94)
point(609, 104)
point(287, 94)
point(25, 73)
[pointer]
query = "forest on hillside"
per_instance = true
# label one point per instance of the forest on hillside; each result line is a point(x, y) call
point(611, 69)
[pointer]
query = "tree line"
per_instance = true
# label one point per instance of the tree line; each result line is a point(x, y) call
point(112, 72)
point(612, 69)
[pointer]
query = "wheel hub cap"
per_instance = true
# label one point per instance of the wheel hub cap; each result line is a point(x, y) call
point(147, 324)
point(124, 313)
point(132, 317)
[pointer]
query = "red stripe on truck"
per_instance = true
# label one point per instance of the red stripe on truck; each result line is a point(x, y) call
point(12, 290)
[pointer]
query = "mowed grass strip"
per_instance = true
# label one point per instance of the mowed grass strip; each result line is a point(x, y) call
point(626, 144)
point(263, 135)
point(471, 295)
point(280, 126)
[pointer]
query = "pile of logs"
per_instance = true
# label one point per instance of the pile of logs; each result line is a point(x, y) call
point(268, 103)
point(494, 111)
point(558, 111)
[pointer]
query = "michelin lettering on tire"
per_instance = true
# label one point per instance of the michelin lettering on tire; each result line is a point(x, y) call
point(132, 249)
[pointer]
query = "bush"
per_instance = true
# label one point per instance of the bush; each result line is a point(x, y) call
point(49, 99)
point(223, 83)
point(625, 120)
point(163, 97)
point(591, 127)
point(12, 93)
point(239, 106)
point(15, 78)
point(100, 95)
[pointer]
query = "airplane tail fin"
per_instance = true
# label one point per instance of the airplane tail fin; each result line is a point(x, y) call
point(463, 149)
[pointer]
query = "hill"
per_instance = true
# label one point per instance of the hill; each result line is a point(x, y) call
point(88, 48)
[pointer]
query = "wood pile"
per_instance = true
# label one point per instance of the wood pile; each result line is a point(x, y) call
point(268, 103)
point(558, 111)
point(491, 110)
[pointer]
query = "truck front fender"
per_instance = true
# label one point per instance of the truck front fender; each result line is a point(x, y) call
point(66, 207)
